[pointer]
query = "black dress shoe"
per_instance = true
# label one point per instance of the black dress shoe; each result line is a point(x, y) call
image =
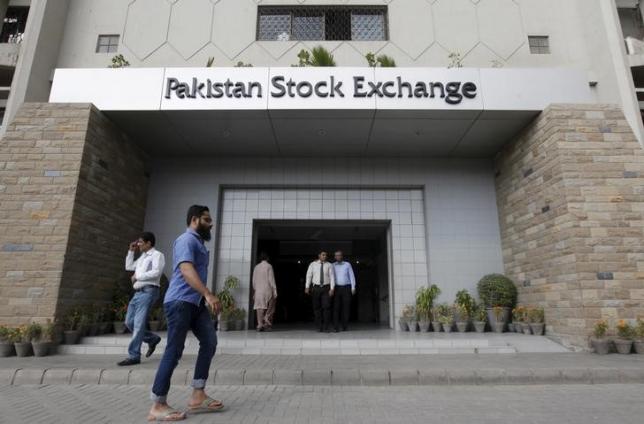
point(151, 348)
point(128, 362)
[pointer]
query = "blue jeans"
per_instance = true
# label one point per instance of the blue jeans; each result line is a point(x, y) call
point(137, 318)
point(181, 317)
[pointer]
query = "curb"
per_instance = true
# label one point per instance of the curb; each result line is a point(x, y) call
point(339, 377)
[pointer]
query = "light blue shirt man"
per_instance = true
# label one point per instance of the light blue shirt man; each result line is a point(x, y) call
point(189, 247)
point(344, 275)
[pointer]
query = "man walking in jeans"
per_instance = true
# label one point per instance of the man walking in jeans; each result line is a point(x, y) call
point(185, 309)
point(146, 283)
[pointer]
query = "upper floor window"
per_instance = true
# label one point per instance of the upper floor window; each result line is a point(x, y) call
point(539, 44)
point(14, 24)
point(361, 23)
point(107, 43)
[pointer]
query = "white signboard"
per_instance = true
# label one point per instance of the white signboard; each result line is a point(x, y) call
point(329, 88)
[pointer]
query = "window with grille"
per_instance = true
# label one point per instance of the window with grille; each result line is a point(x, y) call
point(360, 23)
point(539, 44)
point(107, 43)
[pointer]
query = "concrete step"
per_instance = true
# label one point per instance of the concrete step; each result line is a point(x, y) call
point(380, 342)
point(97, 349)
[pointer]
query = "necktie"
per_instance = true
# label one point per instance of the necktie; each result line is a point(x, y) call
point(321, 273)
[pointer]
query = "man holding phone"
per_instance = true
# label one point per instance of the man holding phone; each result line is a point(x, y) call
point(185, 309)
point(148, 268)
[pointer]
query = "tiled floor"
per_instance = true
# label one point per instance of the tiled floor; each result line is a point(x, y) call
point(361, 342)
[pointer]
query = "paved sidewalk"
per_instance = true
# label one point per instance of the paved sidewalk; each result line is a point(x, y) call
point(621, 404)
point(376, 370)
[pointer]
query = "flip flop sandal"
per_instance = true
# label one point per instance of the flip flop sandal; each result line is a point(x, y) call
point(205, 407)
point(167, 415)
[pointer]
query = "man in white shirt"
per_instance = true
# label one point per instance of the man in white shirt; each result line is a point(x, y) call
point(320, 283)
point(148, 268)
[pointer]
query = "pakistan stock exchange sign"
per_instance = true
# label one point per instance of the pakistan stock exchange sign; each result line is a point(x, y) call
point(308, 88)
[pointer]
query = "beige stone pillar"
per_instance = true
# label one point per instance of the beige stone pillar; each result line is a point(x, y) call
point(73, 191)
point(570, 194)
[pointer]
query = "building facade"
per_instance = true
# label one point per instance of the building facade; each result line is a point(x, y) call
point(533, 170)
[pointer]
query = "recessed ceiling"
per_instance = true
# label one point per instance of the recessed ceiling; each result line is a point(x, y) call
point(349, 133)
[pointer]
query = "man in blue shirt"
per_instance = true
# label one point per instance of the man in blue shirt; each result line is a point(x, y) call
point(345, 287)
point(185, 309)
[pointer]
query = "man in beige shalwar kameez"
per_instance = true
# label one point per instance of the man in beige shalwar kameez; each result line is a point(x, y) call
point(265, 293)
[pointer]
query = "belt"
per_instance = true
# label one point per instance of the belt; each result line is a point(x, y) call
point(325, 285)
point(145, 287)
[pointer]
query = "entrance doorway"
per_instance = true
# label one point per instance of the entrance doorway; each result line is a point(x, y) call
point(293, 244)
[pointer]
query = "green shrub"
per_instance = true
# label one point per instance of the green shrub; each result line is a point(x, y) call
point(497, 290)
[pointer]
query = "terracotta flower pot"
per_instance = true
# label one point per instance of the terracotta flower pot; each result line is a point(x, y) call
point(537, 328)
point(71, 337)
point(639, 346)
point(498, 327)
point(461, 326)
point(479, 326)
point(447, 328)
point(7, 349)
point(424, 326)
point(601, 346)
point(23, 349)
point(119, 327)
point(40, 348)
point(623, 346)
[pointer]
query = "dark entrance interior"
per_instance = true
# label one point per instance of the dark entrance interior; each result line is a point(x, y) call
point(292, 245)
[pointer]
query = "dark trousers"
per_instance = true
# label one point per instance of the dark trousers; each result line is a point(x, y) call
point(341, 306)
point(183, 317)
point(321, 307)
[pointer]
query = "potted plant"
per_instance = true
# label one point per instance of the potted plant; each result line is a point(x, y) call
point(84, 322)
point(463, 317)
point(120, 311)
point(624, 340)
point(537, 318)
point(436, 314)
point(96, 319)
point(71, 334)
point(446, 318)
point(225, 319)
point(519, 316)
point(599, 342)
point(497, 290)
point(423, 307)
point(412, 321)
point(639, 337)
point(480, 317)
point(155, 318)
point(7, 339)
point(107, 319)
point(240, 319)
point(41, 338)
point(23, 341)
point(525, 320)
point(227, 314)
point(499, 316)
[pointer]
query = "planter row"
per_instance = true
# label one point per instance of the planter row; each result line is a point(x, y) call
point(231, 325)
point(26, 349)
point(479, 327)
point(622, 346)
